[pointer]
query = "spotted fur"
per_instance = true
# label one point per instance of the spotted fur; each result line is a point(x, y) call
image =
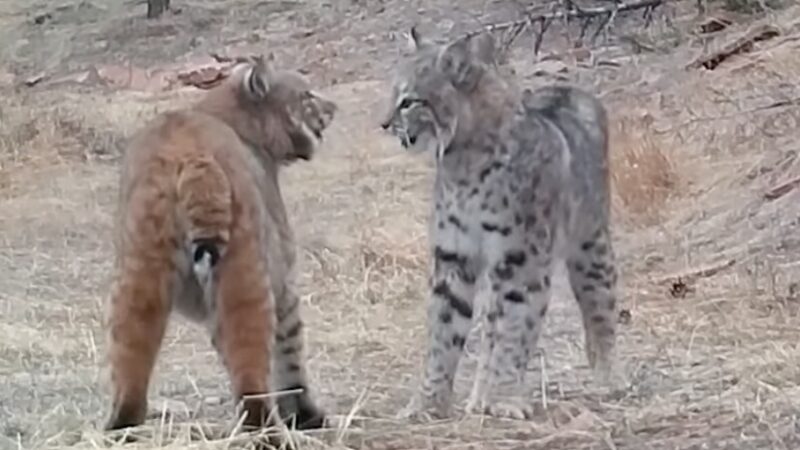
point(521, 180)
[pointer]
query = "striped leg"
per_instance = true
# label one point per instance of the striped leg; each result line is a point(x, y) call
point(289, 367)
point(449, 321)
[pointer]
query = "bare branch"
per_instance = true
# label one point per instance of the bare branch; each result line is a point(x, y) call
point(569, 11)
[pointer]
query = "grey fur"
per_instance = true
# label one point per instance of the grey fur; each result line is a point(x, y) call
point(521, 179)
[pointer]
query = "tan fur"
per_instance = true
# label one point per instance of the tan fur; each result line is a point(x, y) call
point(202, 228)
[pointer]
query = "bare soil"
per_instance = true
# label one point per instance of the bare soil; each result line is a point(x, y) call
point(706, 235)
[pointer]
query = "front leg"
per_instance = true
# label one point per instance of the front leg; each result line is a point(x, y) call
point(289, 366)
point(449, 321)
point(519, 280)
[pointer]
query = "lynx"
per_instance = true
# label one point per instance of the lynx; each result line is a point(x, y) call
point(202, 229)
point(521, 180)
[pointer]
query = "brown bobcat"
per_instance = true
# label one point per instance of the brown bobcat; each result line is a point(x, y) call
point(202, 228)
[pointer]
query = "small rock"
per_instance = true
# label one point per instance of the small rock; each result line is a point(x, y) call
point(34, 80)
point(652, 260)
point(42, 18)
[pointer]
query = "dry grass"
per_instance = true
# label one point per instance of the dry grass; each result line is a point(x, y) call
point(642, 173)
point(691, 158)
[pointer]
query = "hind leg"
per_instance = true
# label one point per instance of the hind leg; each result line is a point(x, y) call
point(242, 332)
point(289, 366)
point(592, 276)
point(519, 295)
point(139, 309)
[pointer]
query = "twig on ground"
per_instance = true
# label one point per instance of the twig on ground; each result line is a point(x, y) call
point(543, 378)
point(743, 44)
point(776, 104)
point(703, 272)
point(680, 285)
point(570, 10)
point(220, 58)
point(782, 189)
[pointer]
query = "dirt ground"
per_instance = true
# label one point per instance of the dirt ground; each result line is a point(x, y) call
point(706, 216)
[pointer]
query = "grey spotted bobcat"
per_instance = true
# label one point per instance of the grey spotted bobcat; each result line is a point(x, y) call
point(521, 179)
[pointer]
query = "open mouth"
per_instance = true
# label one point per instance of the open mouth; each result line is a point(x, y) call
point(408, 141)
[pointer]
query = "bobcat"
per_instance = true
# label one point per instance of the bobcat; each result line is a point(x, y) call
point(521, 179)
point(202, 229)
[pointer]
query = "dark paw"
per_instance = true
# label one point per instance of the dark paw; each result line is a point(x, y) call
point(126, 416)
point(299, 410)
point(120, 420)
point(257, 410)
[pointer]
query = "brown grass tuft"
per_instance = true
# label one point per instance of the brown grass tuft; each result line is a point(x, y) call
point(643, 177)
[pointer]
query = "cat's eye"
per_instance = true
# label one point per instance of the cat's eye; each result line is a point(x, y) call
point(406, 103)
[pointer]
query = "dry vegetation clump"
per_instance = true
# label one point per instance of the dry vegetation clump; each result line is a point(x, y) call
point(38, 131)
point(643, 173)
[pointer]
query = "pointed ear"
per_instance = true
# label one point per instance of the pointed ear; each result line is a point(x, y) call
point(483, 48)
point(466, 59)
point(256, 80)
point(415, 40)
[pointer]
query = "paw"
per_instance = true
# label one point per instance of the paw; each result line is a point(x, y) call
point(256, 411)
point(300, 412)
point(412, 413)
point(126, 415)
point(613, 379)
point(119, 425)
point(423, 409)
point(501, 409)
